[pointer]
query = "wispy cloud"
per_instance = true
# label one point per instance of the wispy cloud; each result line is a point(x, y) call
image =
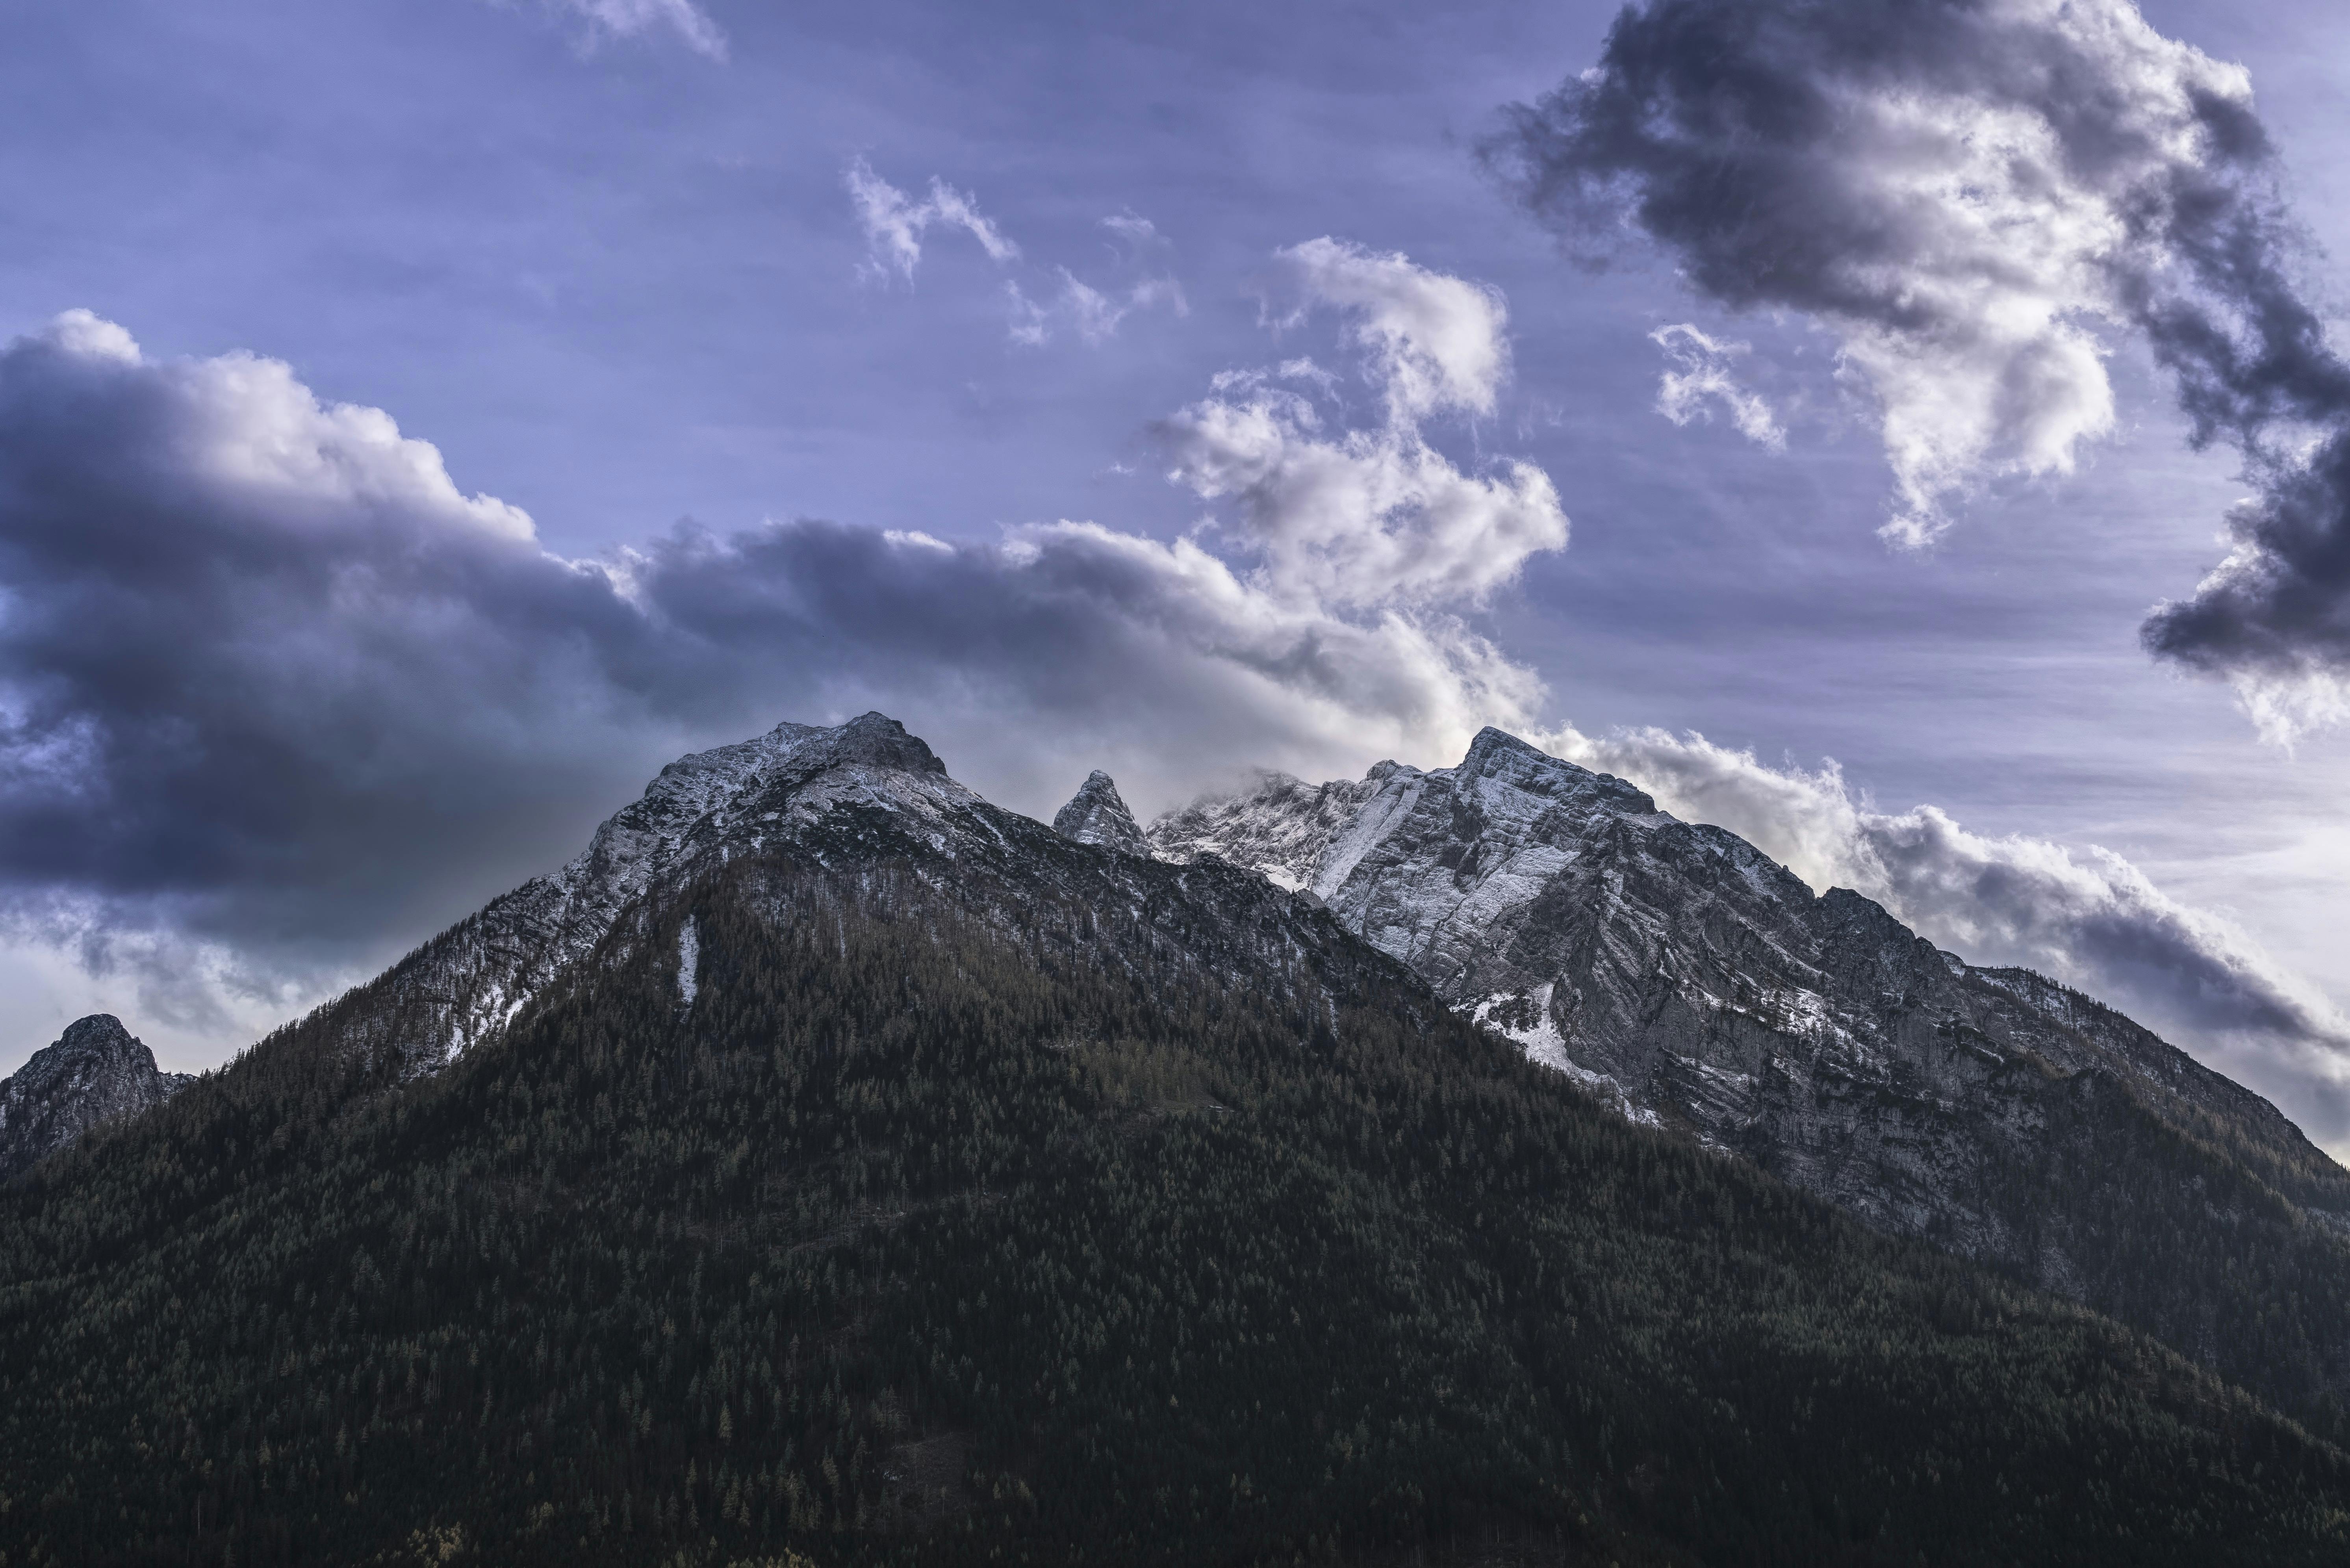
point(1093, 314)
point(1699, 376)
point(628, 18)
point(895, 222)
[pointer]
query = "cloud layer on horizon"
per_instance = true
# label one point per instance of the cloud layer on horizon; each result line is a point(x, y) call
point(1969, 195)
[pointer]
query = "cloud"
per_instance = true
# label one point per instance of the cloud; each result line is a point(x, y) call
point(1138, 234)
point(275, 691)
point(1434, 343)
point(1972, 197)
point(1701, 374)
point(2086, 917)
point(1093, 314)
point(627, 19)
point(1373, 514)
point(894, 223)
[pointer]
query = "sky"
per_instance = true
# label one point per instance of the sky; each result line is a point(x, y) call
point(1906, 432)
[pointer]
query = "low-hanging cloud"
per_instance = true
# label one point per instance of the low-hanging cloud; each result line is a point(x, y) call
point(1970, 194)
point(894, 223)
point(2086, 917)
point(274, 690)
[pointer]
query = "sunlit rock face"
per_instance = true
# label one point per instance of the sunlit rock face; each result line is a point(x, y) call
point(95, 1073)
point(1696, 983)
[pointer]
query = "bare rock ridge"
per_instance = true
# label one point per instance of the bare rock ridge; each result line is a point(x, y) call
point(95, 1073)
point(1097, 815)
point(1682, 974)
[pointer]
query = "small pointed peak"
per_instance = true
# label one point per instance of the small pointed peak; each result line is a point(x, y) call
point(1096, 814)
point(1382, 771)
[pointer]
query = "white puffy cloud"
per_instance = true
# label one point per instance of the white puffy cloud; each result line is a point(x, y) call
point(894, 223)
point(1699, 375)
point(1372, 514)
point(1434, 343)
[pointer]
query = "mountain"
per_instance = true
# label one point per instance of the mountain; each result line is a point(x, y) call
point(1699, 986)
point(467, 985)
point(831, 1167)
point(1096, 814)
point(94, 1073)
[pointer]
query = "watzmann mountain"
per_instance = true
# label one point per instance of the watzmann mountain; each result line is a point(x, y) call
point(831, 1167)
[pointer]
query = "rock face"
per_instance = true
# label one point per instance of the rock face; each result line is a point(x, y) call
point(1681, 973)
point(838, 795)
point(465, 986)
point(95, 1073)
point(1097, 814)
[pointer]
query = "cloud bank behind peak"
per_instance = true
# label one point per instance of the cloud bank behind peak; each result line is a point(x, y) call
point(271, 684)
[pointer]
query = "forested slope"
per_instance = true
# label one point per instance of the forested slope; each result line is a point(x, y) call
point(1051, 1205)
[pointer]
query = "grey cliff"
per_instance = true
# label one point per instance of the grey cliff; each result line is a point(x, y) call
point(95, 1073)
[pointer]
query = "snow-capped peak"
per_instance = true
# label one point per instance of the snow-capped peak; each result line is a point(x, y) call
point(471, 981)
point(1097, 815)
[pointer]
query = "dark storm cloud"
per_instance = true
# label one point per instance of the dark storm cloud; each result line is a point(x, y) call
point(1964, 190)
point(268, 680)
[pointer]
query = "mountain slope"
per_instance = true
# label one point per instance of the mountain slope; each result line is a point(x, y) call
point(1699, 985)
point(94, 1073)
point(957, 1192)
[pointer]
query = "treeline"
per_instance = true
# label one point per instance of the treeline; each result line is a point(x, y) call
point(961, 1220)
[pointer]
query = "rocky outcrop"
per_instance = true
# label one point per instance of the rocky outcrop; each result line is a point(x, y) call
point(1097, 815)
point(95, 1073)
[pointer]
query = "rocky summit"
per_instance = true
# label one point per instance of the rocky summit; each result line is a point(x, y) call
point(95, 1073)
